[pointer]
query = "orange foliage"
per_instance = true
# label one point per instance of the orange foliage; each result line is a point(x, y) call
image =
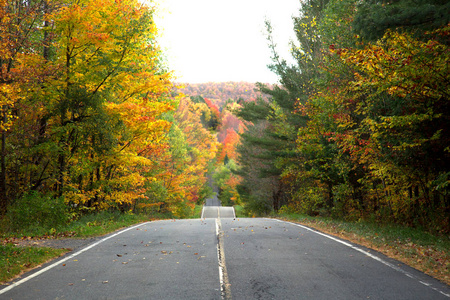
point(229, 145)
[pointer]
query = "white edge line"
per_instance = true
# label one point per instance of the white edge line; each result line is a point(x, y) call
point(59, 262)
point(220, 272)
point(217, 229)
point(220, 260)
point(218, 257)
point(366, 253)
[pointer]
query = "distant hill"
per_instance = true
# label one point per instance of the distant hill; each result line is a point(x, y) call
point(220, 92)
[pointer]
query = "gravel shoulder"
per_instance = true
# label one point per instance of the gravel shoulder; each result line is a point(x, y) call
point(61, 243)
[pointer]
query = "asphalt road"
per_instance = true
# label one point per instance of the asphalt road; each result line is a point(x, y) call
point(213, 201)
point(214, 209)
point(224, 259)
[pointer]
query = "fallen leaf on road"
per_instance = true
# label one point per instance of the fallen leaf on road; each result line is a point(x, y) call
point(70, 283)
point(124, 262)
point(119, 255)
point(106, 281)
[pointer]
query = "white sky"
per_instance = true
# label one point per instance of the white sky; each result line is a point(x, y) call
point(224, 40)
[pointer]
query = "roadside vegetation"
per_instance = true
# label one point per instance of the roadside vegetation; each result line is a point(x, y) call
point(16, 260)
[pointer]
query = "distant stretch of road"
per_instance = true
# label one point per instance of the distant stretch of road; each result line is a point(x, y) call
point(224, 258)
point(213, 209)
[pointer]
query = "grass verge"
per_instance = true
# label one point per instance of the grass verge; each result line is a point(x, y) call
point(103, 223)
point(414, 247)
point(197, 212)
point(16, 260)
point(239, 211)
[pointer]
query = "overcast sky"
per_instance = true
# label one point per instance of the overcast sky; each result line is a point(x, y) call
point(212, 40)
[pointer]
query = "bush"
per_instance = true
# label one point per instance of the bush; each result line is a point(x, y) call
point(36, 211)
point(308, 200)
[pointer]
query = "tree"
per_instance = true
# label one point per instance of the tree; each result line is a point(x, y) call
point(90, 107)
point(400, 94)
point(374, 18)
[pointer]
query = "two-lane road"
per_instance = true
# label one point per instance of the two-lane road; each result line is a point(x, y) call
point(214, 209)
point(224, 258)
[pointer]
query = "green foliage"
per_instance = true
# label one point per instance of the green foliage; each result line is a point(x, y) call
point(38, 213)
point(222, 177)
point(240, 211)
point(309, 200)
point(358, 127)
point(374, 18)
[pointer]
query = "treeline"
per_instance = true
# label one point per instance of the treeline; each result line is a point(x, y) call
point(221, 92)
point(359, 126)
point(88, 120)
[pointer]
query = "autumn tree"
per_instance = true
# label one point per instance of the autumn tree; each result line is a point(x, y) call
point(20, 42)
point(91, 102)
point(358, 125)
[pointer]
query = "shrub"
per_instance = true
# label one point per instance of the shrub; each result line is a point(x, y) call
point(36, 211)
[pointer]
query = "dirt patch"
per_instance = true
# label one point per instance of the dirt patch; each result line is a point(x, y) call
point(61, 243)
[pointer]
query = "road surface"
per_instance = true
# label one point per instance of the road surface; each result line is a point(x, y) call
point(224, 258)
point(214, 209)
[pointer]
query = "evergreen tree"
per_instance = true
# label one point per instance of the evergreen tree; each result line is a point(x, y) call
point(374, 17)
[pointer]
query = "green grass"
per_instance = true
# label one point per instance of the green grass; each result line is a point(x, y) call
point(197, 212)
point(14, 260)
point(95, 224)
point(239, 210)
point(427, 252)
point(378, 233)
point(102, 223)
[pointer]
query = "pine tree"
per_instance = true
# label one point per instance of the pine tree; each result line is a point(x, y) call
point(374, 17)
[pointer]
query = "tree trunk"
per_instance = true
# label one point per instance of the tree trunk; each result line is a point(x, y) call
point(3, 196)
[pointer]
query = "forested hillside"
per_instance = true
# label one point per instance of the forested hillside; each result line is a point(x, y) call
point(220, 92)
point(359, 126)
